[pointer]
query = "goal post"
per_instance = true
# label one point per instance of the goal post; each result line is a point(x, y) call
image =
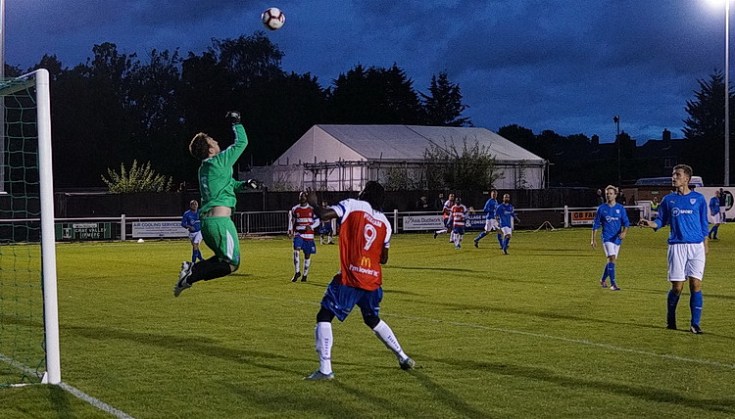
point(27, 256)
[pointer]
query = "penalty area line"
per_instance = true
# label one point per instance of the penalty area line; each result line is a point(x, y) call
point(585, 342)
point(99, 404)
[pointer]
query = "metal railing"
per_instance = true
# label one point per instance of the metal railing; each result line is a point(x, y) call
point(276, 222)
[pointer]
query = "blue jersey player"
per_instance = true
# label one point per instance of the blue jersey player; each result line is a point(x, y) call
point(491, 223)
point(685, 212)
point(506, 214)
point(613, 220)
point(190, 221)
point(714, 208)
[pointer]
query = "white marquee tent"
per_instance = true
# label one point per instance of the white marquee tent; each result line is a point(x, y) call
point(345, 157)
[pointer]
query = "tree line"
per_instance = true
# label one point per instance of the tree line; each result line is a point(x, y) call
point(116, 108)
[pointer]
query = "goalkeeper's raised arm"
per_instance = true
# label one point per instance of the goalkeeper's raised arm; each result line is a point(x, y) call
point(217, 188)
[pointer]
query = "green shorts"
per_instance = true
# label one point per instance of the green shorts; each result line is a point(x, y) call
point(220, 235)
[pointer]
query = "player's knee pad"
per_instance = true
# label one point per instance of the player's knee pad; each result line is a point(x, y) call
point(371, 321)
point(324, 315)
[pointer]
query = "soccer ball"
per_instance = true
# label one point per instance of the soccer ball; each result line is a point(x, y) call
point(273, 18)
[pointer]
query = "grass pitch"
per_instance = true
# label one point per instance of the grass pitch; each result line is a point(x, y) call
point(530, 334)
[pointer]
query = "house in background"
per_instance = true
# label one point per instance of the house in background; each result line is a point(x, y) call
point(345, 157)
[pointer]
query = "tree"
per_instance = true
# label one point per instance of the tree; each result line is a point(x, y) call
point(399, 179)
point(137, 179)
point(443, 106)
point(90, 121)
point(519, 135)
point(704, 129)
point(470, 168)
point(374, 96)
point(156, 113)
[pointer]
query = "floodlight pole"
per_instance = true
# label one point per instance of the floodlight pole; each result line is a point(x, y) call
point(727, 93)
point(616, 119)
point(2, 101)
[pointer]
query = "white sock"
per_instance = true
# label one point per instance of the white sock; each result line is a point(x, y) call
point(296, 261)
point(307, 263)
point(385, 334)
point(323, 336)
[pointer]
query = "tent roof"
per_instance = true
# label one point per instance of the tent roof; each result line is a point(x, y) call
point(409, 142)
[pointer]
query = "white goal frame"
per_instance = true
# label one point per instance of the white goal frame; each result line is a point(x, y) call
point(40, 78)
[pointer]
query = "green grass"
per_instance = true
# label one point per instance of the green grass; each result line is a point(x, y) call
point(530, 334)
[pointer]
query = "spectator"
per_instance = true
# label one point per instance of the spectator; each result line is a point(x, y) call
point(600, 197)
point(422, 204)
point(438, 203)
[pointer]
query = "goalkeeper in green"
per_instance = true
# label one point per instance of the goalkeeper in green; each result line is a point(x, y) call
point(217, 188)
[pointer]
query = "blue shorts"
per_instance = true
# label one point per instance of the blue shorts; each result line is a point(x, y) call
point(458, 230)
point(448, 222)
point(308, 246)
point(325, 228)
point(341, 299)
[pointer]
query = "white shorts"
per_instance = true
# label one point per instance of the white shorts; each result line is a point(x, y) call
point(195, 238)
point(507, 231)
point(491, 224)
point(611, 249)
point(686, 260)
point(717, 218)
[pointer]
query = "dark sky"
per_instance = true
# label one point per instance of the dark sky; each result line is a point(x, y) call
point(564, 65)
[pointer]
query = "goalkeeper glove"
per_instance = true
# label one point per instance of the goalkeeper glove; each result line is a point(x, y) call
point(233, 117)
point(253, 184)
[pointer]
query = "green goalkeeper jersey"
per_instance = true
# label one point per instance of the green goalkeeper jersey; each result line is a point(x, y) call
point(216, 184)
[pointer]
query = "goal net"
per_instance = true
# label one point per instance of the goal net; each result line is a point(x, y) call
point(29, 341)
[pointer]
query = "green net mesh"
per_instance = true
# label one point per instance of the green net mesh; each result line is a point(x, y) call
point(21, 294)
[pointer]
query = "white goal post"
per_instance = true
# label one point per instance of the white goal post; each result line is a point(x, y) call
point(38, 82)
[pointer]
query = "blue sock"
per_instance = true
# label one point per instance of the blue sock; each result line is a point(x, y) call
point(714, 229)
point(199, 255)
point(695, 303)
point(500, 240)
point(611, 273)
point(506, 242)
point(671, 301)
point(483, 234)
point(605, 272)
point(711, 230)
point(193, 256)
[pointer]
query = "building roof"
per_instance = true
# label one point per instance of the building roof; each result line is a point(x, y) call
point(397, 143)
point(653, 149)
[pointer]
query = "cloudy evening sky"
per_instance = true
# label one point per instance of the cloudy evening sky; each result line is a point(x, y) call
point(564, 65)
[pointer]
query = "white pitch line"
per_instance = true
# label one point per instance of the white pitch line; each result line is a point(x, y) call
point(70, 389)
point(585, 342)
point(99, 404)
point(575, 341)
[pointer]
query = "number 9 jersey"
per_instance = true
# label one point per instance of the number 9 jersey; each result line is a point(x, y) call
point(364, 233)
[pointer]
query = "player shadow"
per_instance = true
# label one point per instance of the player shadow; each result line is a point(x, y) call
point(337, 403)
point(445, 396)
point(657, 395)
point(685, 293)
point(433, 269)
point(558, 316)
point(197, 345)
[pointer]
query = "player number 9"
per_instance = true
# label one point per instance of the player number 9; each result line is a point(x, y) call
point(369, 233)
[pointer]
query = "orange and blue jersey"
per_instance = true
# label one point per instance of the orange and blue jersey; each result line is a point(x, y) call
point(364, 233)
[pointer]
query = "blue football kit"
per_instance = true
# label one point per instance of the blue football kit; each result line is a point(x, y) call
point(612, 219)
